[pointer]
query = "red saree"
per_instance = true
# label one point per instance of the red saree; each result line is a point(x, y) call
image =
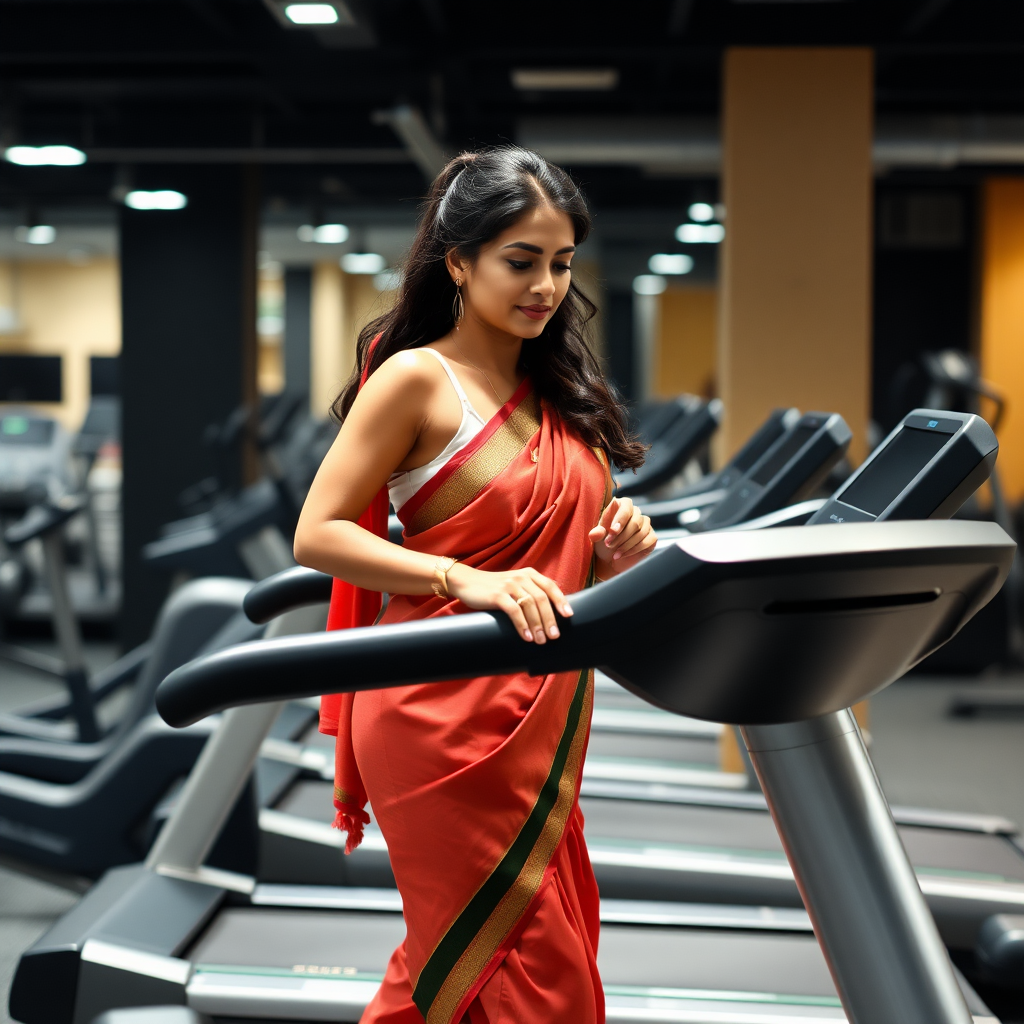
point(475, 783)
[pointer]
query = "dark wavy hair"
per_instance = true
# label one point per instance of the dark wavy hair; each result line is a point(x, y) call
point(475, 198)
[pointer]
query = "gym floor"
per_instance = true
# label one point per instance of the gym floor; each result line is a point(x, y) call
point(925, 758)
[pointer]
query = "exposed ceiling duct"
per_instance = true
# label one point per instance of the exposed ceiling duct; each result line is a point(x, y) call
point(692, 146)
point(411, 127)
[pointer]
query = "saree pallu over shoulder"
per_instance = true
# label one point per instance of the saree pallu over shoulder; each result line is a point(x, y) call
point(475, 466)
point(475, 783)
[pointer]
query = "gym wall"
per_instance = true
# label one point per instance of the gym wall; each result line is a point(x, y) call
point(68, 310)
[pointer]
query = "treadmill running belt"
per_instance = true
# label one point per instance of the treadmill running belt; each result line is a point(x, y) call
point(312, 965)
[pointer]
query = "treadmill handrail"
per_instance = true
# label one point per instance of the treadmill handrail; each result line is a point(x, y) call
point(292, 588)
point(856, 562)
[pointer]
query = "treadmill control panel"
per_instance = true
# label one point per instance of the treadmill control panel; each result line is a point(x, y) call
point(786, 472)
point(926, 468)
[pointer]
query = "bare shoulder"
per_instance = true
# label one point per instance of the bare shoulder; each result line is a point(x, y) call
point(404, 384)
point(409, 372)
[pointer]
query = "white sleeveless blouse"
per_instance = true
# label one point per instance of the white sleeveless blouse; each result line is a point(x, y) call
point(402, 486)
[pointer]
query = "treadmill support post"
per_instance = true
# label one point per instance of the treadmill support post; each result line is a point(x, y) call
point(69, 638)
point(871, 920)
point(224, 766)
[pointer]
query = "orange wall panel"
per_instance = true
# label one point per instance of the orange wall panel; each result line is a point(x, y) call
point(1002, 319)
point(685, 347)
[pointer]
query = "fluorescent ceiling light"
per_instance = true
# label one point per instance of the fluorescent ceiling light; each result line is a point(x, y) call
point(325, 234)
point(702, 212)
point(312, 14)
point(44, 156)
point(40, 234)
point(565, 79)
point(693, 233)
point(670, 263)
point(363, 263)
point(165, 199)
point(649, 284)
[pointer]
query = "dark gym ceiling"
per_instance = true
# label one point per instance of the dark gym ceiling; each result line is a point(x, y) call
point(138, 82)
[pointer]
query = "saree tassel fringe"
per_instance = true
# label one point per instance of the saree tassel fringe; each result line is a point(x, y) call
point(352, 823)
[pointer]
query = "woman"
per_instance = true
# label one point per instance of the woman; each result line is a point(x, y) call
point(479, 410)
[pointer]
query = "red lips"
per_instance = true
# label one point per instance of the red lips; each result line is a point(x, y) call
point(535, 312)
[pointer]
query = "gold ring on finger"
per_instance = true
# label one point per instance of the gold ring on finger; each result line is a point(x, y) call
point(522, 600)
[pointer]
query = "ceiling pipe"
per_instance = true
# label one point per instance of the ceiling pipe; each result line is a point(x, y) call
point(409, 124)
point(693, 145)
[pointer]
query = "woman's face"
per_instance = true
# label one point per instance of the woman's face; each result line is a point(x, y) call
point(520, 277)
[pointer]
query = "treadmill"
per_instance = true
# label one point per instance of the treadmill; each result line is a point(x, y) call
point(638, 744)
point(777, 423)
point(837, 615)
point(684, 439)
point(630, 741)
point(659, 840)
point(787, 471)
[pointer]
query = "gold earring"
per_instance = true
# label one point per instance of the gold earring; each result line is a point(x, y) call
point(458, 306)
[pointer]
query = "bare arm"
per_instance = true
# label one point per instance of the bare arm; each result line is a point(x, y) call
point(382, 428)
point(387, 421)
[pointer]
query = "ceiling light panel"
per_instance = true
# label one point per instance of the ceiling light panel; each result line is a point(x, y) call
point(44, 156)
point(565, 79)
point(305, 14)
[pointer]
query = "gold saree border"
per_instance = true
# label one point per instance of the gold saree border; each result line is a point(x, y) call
point(470, 477)
point(439, 1006)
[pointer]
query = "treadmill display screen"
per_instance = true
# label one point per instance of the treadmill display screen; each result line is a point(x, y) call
point(756, 446)
point(892, 469)
point(782, 453)
point(24, 430)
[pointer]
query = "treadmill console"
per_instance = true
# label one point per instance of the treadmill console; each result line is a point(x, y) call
point(791, 468)
point(35, 460)
point(778, 422)
point(926, 468)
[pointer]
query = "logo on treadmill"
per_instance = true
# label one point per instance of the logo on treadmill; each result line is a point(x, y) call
point(933, 423)
point(837, 519)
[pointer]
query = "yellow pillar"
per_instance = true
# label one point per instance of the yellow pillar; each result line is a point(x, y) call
point(332, 346)
point(795, 274)
point(1002, 319)
point(795, 279)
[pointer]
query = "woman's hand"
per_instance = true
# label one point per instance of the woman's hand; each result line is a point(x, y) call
point(622, 538)
point(524, 595)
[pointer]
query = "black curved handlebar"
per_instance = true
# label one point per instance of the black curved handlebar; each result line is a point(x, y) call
point(283, 591)
point(41, 519)
point(750, 628)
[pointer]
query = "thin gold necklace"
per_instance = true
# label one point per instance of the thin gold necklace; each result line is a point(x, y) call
point(477, 368)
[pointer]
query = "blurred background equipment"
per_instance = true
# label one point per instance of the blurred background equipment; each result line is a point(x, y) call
point(797, 206)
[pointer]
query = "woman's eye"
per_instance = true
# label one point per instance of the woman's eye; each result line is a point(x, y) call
point(519, 264)
point(562, 268)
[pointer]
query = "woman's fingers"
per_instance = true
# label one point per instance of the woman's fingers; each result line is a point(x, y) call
point(636, 537)
point(539, 614)
point(617, 529)
point(554, 592)
point(609, 513)
point(514, 611)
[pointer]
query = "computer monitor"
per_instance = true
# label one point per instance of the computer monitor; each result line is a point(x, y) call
point(31, 378)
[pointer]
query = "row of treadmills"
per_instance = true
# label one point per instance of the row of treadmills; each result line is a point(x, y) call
point(758, 611)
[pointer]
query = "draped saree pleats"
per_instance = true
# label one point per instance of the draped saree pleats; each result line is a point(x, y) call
point(475, 783)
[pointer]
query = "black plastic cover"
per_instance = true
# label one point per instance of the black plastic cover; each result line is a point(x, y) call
point(747, 628)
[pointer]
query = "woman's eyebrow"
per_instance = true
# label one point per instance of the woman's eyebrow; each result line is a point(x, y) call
point(536, 248)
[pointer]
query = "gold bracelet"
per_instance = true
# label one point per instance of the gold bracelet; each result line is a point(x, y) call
point(441, 569)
